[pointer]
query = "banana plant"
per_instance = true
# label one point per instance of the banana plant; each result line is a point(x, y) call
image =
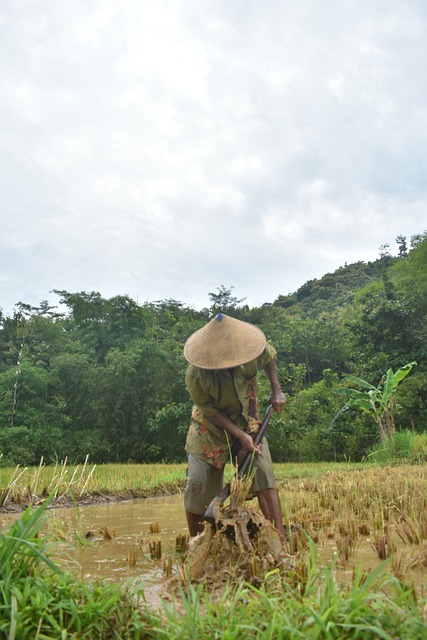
point(378, 402)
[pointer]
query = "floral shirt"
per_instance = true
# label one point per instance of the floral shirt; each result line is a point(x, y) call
point(231, 391)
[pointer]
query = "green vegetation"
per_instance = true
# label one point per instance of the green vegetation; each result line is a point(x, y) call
point(75, 482)
point(315, 608)
point(105, 377)
point(38, 600)
point(378, 402)
point(310, 599)
point(100, 385)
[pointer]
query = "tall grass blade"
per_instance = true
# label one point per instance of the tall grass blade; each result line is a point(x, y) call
point(21, 538)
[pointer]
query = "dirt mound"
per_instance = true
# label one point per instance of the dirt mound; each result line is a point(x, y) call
point(242, 547)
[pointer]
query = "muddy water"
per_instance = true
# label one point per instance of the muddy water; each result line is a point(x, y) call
point(79, 546)
point(129, 523)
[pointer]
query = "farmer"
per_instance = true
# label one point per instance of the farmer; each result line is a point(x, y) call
point(225, 356)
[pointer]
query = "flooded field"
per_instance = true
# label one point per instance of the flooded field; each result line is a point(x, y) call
point(112, 540)
point(355, 550)
point(131, 539)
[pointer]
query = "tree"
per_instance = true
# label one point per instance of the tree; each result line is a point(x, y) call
point(108, 376)
point(223, 301)
point(378, 402)
point(384, 250)
point(403, 247)
point(410, 276)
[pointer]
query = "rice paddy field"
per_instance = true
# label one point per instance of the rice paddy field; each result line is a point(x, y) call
point(357, 544)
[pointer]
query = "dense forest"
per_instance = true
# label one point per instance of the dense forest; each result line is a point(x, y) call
point(105, 377)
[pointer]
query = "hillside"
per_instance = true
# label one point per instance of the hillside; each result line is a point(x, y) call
point(335, 289)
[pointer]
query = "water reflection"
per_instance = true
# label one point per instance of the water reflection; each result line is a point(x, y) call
point(79, 546)
point(129, 523)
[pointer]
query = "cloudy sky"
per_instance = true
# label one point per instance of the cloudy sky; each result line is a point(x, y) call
point(162, 148)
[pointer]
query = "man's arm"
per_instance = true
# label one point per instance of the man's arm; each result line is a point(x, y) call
point(277, 397)
point(223, 422)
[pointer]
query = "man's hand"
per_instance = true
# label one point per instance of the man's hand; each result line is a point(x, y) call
point(277, 399)
point(247, 444)
point(245, 440)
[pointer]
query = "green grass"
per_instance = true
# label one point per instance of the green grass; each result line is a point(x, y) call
point(372, 607)
point(20, 485)
point(38, 600)
point(121, 479)
point(145, 478)
point(406, 446)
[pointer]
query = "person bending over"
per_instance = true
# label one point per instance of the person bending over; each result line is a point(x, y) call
point(224, 358)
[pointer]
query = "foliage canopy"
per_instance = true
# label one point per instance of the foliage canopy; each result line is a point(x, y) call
point(105, 377)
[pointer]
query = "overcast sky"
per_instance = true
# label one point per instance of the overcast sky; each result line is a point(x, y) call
point(162, 148)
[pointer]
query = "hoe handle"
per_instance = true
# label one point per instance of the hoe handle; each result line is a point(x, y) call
point(242, 471)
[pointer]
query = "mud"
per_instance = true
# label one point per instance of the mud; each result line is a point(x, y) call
point(65, 500)
point(242, 546)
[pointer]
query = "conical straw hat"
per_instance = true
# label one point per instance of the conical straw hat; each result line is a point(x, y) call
point(224, 343)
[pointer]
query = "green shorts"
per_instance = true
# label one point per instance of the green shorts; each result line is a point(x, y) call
point(204, 481)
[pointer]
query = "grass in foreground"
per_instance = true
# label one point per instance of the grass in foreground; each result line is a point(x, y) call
point(39, 601)
point(372, 607)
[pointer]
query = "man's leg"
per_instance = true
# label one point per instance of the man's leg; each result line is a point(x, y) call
point(204, 482)
point(195, 523)
point(269, 503)
point(264, 487)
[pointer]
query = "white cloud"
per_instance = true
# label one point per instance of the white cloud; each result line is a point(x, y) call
point(162, 148)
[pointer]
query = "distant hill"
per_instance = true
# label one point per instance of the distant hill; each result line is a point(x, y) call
point(335, 289)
